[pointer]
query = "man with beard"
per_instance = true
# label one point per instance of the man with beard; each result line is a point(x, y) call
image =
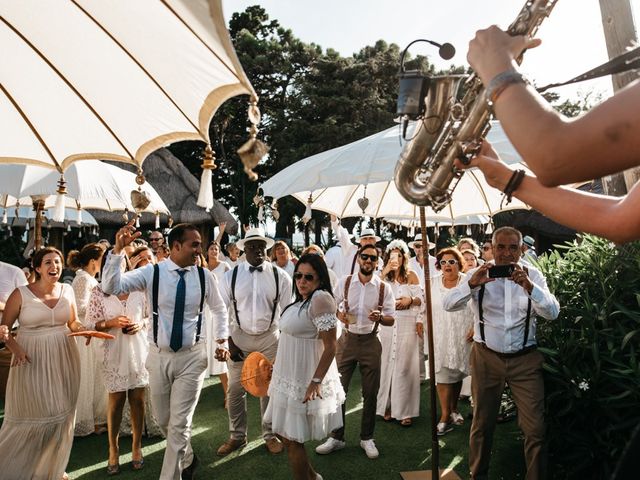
point(255, 292)
point(365, 302)
point(505, 306)
point(177, 360)
point(349, 263)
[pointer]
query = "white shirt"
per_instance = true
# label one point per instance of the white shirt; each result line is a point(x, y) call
point(115, 282)
point(11, 277)
point(255, 293)
point(416, 267)
point(504, 309)
point(333, 259)
point(363, 298)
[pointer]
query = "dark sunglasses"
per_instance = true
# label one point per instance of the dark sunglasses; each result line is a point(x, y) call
point(155, 239)
point(307, 276)
point(365, 257)
point(451, 261)
point(485, 248)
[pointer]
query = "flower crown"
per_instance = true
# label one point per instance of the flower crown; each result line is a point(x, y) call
point(397, 244)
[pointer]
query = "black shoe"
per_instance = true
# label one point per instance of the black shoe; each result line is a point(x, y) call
point(188, 473)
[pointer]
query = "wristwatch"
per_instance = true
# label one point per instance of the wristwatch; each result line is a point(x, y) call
point(316, 380)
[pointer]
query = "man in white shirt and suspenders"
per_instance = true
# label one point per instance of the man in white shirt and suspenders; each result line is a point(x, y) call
point(506, 297)
point(255, 292)
point(177, 362)
point(365, 302)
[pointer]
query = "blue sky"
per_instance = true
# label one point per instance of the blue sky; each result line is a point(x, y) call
point(573, 39)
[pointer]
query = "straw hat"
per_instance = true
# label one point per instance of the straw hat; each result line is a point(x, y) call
point(256, 374)
point(418, 239)
point(256, 233)
point(368, 232)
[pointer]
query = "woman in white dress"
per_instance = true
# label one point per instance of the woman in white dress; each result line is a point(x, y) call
point(452, 344)
point(399, 393)
point(281, 256)
point(216, 367)
point(123, 363)
point(91, 413)
point(305, 394)
point(42, 390)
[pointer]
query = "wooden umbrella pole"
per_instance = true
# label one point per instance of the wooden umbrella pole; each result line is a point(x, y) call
point(38, 206)
point(435, 447)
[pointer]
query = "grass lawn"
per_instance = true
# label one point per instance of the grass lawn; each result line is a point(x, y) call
point(401, 449)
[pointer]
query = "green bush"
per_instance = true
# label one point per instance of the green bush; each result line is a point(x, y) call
point(592, 375)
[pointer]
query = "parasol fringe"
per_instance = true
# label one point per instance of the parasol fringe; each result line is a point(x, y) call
point(205, 196)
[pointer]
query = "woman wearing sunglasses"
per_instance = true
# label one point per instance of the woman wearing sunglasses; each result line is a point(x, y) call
point(452, 348)
point(305, 393)
point(399, 393)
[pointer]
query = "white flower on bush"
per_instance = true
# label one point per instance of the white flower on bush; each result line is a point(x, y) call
point(583, 385)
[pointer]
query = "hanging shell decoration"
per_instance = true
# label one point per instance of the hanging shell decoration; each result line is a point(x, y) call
point(307, 212)
point(274, 211)
point(140, 199)
point(253, 150)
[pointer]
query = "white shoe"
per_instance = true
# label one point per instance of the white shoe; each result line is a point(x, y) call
point(370, 448)
point(330, 445)
point(443, 428)
point(318, 476)
point(456, 418)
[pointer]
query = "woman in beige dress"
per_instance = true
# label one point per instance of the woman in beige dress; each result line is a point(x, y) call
point(42, 390)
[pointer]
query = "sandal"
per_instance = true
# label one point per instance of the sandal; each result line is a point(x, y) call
point(387, 416)
point(406, 422)
point(137, 464)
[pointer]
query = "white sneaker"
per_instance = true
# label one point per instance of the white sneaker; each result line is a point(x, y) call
point(370, 448)
point(330, 445)
point(457, 419)
point(443, 428)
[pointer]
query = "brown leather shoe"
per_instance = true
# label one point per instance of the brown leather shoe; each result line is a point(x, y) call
point(231, 445)
point(274, 446)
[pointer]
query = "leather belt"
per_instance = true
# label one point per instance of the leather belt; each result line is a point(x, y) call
point(519, 353)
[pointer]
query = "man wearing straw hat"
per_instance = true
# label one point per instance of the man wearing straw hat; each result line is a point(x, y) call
point(417, 263)
point(349, 250)
point(255, 292)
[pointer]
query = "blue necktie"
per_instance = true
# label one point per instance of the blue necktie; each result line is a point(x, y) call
point(178, 314)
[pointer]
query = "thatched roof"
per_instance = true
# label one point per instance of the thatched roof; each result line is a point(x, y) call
point(179, 190)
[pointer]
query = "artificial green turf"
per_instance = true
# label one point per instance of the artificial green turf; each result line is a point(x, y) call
point(401, 448)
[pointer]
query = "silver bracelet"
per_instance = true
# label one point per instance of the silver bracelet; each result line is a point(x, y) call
point(500, 82)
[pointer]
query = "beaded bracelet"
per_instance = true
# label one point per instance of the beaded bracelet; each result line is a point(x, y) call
point(499, 84)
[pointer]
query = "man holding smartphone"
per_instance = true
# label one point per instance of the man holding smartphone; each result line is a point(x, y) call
point(506, 297)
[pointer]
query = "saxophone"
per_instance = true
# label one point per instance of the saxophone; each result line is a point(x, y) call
point(425, 174)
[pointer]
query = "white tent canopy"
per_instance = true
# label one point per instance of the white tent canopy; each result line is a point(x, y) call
point(336, 179)
point(114, 80)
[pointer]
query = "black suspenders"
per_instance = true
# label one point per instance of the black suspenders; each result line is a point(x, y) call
point(527, 321)
point(234, 276)
point(154, 300)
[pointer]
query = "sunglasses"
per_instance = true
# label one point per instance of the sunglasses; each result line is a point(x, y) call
point(451, 261)
point(365, 257)
point(486, 247)
point(155, 239)
point(307, 276)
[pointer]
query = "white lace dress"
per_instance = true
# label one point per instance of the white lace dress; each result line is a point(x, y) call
point(449, 332)
point(400, 372)
point(92, 398)
point(123, 359)
point(299, 351)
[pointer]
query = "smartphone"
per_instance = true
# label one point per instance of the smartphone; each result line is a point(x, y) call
point(501, 271)
point(394, 256)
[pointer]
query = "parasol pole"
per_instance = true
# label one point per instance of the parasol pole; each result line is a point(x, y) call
point(435, 447)
point(38, 207)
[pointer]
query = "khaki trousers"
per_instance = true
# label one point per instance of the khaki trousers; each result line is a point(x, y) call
point(175, 381)
point(523, 374)
point(365, 351)
point(267, 344)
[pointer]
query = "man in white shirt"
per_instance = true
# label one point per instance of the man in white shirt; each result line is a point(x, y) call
point(333, 259)
point(369, 303)
point(256, 292)
point(177, 362)
point(349, 263)
point(11, 277)
point(417, 263)
point(504, 348)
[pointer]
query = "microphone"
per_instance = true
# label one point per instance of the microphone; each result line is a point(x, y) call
point(447, 51)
